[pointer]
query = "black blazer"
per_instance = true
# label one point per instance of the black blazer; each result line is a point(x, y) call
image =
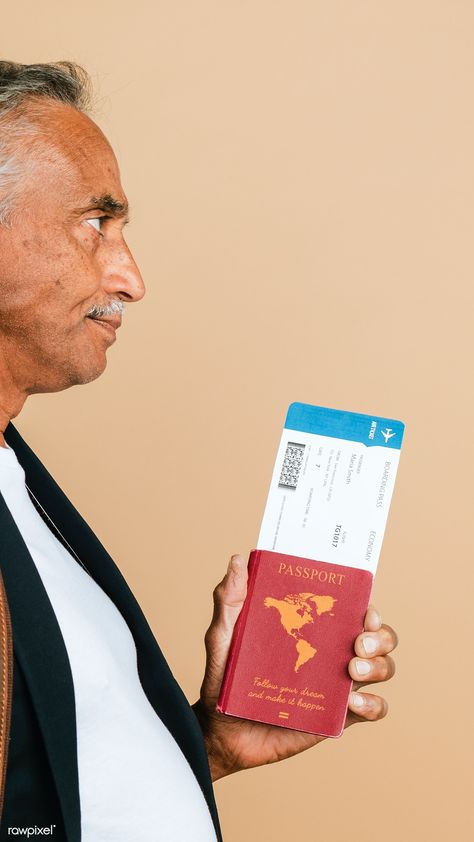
point(42, 775)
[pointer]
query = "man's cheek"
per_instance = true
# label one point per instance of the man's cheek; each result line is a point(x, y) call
point(84, 242)
point(76, 287)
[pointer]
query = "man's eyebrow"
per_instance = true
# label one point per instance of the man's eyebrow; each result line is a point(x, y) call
point(106, 203)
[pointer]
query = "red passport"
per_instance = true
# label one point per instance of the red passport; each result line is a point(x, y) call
point(292, 643)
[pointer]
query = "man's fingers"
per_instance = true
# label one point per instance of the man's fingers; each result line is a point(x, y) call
point(366, 707)
point(372, 619)
point(372, 643)
point(366, 671)
point(229, 596)
point(232, 589)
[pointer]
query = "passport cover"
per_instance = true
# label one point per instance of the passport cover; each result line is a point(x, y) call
point(293, 641)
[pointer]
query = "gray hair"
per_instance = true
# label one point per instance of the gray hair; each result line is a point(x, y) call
point(20, 86)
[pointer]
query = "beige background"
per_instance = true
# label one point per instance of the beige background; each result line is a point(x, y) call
point(302, 182)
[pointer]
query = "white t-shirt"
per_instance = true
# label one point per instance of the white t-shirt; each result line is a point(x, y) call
point(135, 783)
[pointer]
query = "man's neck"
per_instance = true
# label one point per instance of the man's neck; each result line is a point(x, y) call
point(3, 427)
point(10, 407)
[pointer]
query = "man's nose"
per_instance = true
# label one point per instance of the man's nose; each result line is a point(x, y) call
point(121, 275)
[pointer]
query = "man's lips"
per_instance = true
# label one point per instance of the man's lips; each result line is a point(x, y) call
point(115, 321)
point(110, 323)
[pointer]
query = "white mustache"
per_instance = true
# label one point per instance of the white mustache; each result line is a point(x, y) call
point(99, 310)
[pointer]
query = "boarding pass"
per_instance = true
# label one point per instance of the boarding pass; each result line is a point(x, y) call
point(331, 486)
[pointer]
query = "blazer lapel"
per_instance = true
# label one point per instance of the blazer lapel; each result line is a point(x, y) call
point(40, 649)
point(162, 690)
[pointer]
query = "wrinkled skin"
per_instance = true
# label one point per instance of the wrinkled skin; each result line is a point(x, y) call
point(55, 264)
point(61, 254)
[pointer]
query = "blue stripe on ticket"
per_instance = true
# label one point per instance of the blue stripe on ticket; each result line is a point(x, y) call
point(352, 426)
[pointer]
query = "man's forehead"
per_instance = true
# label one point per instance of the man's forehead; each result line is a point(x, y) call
point(89, 173)
point(94, 162)
point(71, 132)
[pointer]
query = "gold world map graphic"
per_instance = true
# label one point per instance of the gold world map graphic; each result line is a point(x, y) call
point(297, 611)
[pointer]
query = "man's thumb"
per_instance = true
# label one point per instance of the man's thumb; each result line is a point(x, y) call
point(229, 596)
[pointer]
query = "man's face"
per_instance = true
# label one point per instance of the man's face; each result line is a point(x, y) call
point(63, 254)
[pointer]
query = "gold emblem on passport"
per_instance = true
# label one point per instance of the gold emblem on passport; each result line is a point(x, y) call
point(297, 611)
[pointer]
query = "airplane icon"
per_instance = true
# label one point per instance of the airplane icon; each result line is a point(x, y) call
point(387, 434)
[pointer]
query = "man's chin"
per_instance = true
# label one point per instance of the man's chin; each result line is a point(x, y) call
point(67, 379)
point(79, 372)
point(92, 373)
point(89, 378)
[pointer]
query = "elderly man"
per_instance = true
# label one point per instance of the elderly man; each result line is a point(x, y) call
point(102, 743)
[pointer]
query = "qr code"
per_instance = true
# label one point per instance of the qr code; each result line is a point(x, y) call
point(292, 464)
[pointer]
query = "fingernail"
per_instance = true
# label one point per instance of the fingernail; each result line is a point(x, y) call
point(234, 563)
point(377, 615)
point(357, 700)
point(369, 645)
point(362, 667)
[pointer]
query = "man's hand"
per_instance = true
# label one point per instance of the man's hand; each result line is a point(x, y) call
point(234, 744)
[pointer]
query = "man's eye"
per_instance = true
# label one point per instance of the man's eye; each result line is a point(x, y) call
point(95, 222)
